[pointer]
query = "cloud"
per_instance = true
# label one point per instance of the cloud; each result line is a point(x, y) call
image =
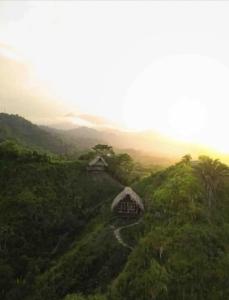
point(96, 120)
point(89, 120)
point(10, 52)
point(21, 94)
point(70, 115)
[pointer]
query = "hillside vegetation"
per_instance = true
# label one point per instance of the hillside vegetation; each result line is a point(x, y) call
point(181, 249)
point(46, 207)
point(71, 143)
point(16, 128)
point(57, 237)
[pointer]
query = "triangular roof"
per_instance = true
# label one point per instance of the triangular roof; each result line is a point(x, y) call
point(127, 191)
point(98, 159)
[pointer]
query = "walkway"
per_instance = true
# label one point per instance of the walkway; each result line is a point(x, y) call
point(118, 236)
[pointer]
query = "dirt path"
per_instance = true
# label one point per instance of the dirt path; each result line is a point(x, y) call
point(117, 234)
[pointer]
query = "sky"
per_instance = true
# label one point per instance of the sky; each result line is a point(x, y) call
point(137, 65)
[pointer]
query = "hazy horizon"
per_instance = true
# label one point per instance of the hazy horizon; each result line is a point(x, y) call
point(119, 65)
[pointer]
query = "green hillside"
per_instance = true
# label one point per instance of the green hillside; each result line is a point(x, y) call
point(70, 143)
point(57, 238)
point(45, 208)
point(183, 250)
point(19, 129)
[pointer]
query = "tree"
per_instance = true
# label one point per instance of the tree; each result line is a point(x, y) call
point(9, 150)
point(121, 167)
point(104, 150)
point(212, 173)
point(186, 158)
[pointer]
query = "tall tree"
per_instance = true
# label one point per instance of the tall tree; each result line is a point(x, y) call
point(103, 149)
point(212, 173)
point(186, 158)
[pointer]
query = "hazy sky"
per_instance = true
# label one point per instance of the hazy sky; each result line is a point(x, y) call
point(143, 65)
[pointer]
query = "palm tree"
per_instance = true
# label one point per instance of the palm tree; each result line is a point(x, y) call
point(186, 159)
point(212, 173)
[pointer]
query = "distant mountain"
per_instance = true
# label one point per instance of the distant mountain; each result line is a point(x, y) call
point(63, 125)
point(146, 147)
point(149, 143)
point(16, 128)
point(82, 138)
point(48, 139)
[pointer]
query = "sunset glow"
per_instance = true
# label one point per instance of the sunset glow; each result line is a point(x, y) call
point(183, 97)
point(144, 83)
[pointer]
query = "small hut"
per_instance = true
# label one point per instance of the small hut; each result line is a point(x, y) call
point(97, 164)
point(127, 203)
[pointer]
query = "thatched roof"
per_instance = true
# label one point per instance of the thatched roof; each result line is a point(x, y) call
point(133, 196)
point(98, 159)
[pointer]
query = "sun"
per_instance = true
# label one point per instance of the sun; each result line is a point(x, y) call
point(187, 119)
point(185, 97)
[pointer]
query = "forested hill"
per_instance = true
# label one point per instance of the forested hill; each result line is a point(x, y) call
point(57, 237)
point(68, 143)
point(14, 127)
point(49, 210)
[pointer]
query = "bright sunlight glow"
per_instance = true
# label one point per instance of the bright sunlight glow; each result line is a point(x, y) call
point(187, 119)
point(185, 97)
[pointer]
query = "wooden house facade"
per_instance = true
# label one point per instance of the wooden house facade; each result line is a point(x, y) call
point(127, 203)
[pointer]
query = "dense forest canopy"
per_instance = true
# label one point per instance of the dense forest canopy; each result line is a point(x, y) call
point(59, 239)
